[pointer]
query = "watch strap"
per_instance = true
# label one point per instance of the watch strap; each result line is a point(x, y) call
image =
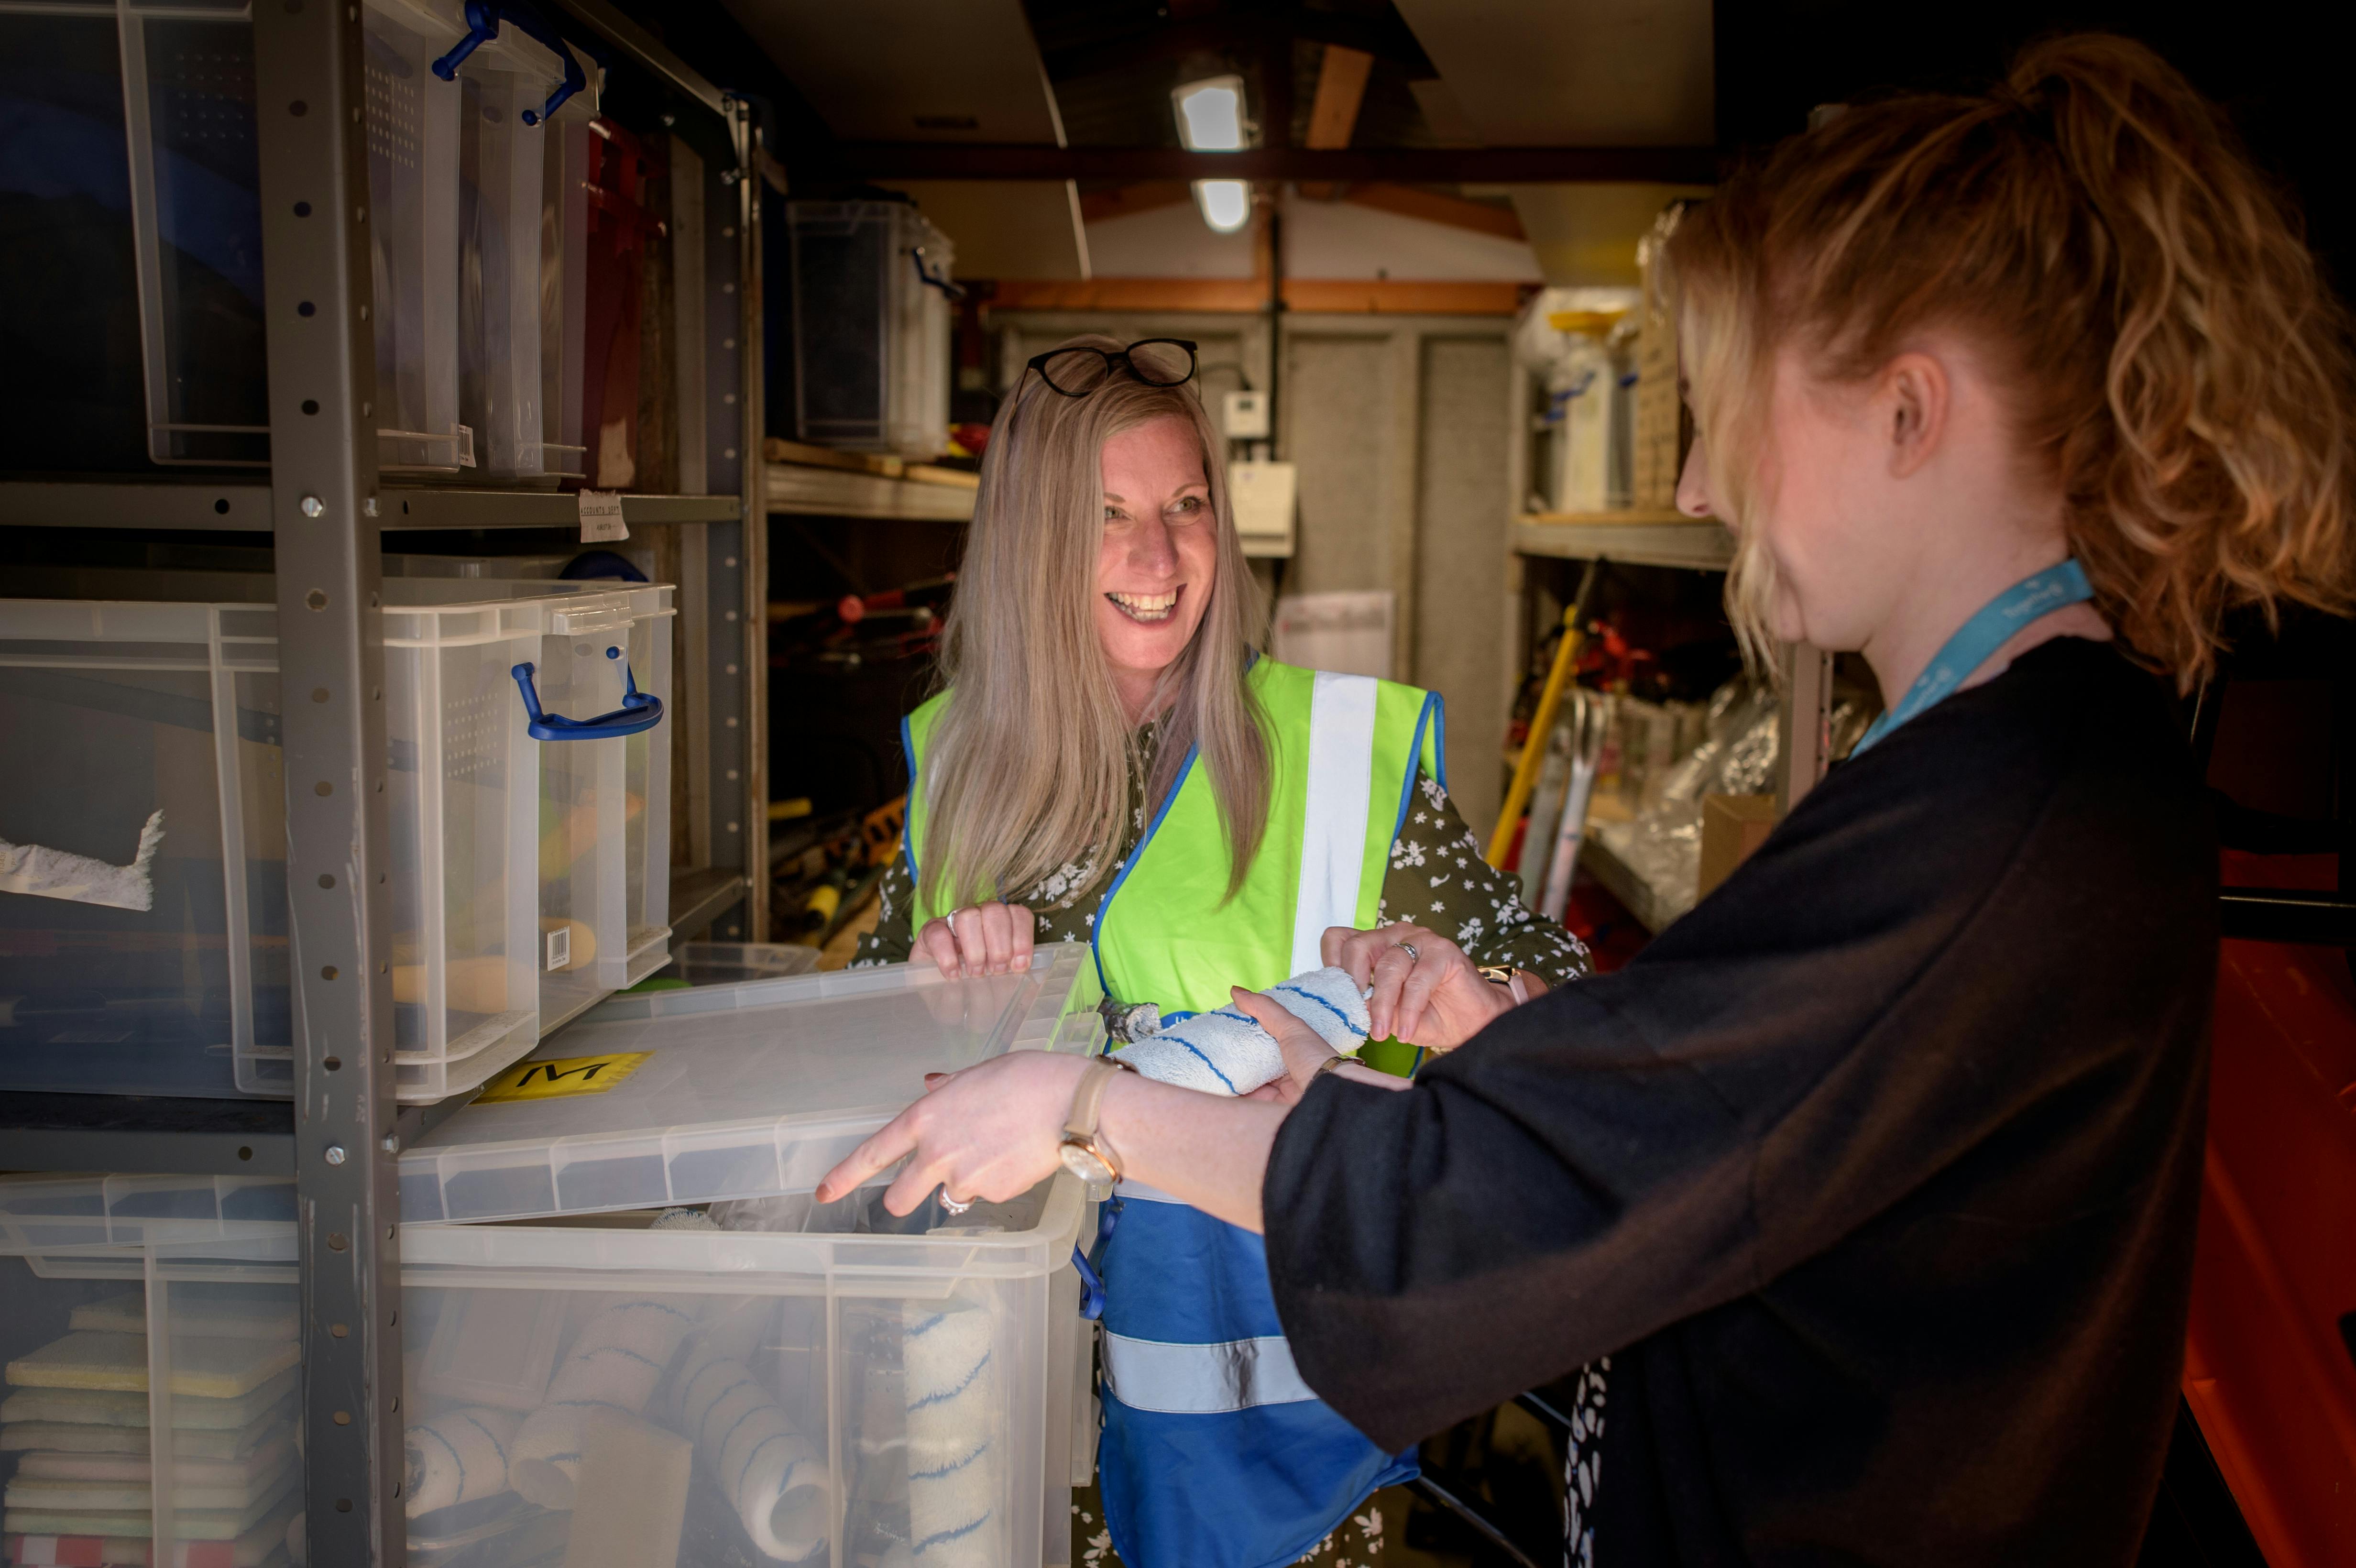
point(1087, 1100)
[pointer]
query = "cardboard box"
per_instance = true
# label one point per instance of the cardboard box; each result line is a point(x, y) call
point(1731, 827)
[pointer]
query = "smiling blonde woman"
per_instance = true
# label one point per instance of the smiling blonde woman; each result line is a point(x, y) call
point(1111, 761)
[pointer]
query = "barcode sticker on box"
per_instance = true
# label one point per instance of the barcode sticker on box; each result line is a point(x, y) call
point(601, 518)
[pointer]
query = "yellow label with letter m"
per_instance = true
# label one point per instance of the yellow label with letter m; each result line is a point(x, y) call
point(561, 1076)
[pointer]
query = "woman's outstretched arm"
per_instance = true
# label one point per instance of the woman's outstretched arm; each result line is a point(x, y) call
point(991, 1130)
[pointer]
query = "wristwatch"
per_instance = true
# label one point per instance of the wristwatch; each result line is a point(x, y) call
point(1507, 976)
point(1083, 1152)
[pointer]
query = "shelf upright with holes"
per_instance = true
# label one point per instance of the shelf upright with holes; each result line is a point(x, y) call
point(291, 450)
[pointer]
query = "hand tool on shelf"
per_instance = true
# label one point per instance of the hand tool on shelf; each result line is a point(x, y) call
point(1525, 770)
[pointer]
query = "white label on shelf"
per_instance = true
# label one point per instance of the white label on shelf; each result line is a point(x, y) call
point(601, 518)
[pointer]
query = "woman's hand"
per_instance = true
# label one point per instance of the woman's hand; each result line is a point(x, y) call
point(988, 1131)
point(1425, 991)
point(1305, 1052)
point(981, 939)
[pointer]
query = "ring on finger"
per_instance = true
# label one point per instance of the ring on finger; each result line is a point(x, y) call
point(951, 1205)
point(1409, 948)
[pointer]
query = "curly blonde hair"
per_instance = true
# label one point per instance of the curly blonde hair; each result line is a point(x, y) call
point(2176, 362)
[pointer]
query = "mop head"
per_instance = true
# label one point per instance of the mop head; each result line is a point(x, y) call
point(1226, 1051)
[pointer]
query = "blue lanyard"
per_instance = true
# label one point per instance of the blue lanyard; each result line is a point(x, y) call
point(1981, 636)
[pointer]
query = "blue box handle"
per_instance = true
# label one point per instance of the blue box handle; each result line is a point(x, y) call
point(639, 711)
point(483, 19)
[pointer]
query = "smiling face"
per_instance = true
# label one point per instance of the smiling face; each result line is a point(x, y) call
point(1158, 559)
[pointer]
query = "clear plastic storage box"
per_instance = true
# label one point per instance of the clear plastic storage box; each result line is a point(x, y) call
point(522, 228)
point(605, 916)
point(144, 941)
point(825, 1384)
point(196, 192)
point(730, 963)
point(474, 241)
point(412, 236)
point(748, 1089)
point(871, 316)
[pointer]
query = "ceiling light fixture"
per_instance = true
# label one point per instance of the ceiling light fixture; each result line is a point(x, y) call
point(1211, 120)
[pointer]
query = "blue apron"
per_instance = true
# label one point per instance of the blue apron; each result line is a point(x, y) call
point(1215, 1454)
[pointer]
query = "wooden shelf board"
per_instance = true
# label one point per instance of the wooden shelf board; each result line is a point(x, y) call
point(1635, 538)
point(799, 490)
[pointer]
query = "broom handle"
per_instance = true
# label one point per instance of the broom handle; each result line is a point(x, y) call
point(1525, 769)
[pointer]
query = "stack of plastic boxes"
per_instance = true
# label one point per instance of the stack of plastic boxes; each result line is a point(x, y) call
point(644, 1384)
point(870, 317)
point(522, 225)
point(604, 833)
point(474, 232)
point(144, 941)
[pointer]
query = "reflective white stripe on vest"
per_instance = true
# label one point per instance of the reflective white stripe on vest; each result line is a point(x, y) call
point(1333, 827)
point(1201, 1379)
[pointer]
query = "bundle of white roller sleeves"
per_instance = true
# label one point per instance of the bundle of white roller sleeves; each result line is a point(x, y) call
point(1226, 1051)
point(661, 1367)
point(625, 1355)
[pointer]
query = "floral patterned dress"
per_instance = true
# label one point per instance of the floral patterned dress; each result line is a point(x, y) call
point(1438, 879)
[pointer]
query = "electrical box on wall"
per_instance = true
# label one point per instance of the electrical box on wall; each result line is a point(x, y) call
point(1264, 497)
point(1244, 415)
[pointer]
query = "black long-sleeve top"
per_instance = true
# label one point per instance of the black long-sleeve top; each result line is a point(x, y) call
point(1874, 1177)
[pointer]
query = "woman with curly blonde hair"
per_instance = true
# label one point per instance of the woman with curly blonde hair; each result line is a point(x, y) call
point(1866, 1196)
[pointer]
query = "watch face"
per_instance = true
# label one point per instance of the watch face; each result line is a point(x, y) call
point(1085, 1164)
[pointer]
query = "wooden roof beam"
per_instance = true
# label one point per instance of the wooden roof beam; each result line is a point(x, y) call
point(1404, 166)
point(1333, 112)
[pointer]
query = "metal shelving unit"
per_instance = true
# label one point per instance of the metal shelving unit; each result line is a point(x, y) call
point(183, 507)
point(323, 504)
point(1640, 536)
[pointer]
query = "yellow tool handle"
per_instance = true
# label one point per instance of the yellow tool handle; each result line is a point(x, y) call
point(1534, 745)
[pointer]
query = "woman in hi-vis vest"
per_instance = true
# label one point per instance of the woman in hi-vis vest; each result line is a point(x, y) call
point(1111, 761)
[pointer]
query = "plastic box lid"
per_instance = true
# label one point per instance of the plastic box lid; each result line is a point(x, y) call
point(745, 1091)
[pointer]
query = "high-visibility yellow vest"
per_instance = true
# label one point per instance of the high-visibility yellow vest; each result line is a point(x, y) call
point(1346, 751)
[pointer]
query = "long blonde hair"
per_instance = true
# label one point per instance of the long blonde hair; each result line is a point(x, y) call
point(1030, 766)
point(2176, 363)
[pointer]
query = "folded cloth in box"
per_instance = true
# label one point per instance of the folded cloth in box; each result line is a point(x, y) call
point(107, 1407)
point(190, 1524)
point(261, 1464)
point(214, 1368)
point(188, 1442)
point(257, 1547)
point(269, 1315)
point(234, 1493)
